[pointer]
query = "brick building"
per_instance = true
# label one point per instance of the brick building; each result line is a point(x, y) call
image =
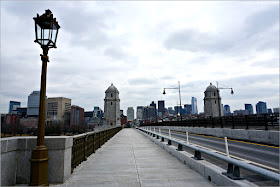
point(76, 115)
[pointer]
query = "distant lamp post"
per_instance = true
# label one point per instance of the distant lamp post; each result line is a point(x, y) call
point(231, 91)
point(46, 30)
point(179, 89)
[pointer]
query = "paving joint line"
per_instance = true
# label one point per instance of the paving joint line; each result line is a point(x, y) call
point(135, 162)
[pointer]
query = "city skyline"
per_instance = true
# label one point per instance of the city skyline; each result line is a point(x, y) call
point(141, 54)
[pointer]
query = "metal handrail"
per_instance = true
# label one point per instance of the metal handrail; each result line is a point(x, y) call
point(86, 144)
point(263, 172)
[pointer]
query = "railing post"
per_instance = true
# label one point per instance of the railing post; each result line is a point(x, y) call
point(180, 147)
point(212, 122)
point(232, 122)
point(265, 121)
point(187, 134)
point(233, 172)
point(197, 155)
point(246, 122)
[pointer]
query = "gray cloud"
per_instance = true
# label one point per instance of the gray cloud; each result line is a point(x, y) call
point(195, 41)
point(261, 21)
point(272, 63)
point(143, 81)
point(115, 53)
point(261, 32)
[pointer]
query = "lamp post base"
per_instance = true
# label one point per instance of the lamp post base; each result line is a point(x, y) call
point(39, 166)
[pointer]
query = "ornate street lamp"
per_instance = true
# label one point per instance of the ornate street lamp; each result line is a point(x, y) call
point(46, 30)
point(231, 91)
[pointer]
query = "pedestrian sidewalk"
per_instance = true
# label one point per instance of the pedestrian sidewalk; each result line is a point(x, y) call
point(130, 159)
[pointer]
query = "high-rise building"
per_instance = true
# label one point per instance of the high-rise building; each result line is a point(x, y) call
point(177, 109)
point(76, 115)
point(170, 110)
point(269, 111)
point(161, 107)
point(261, 108)
point(139, 112)
point(226, 110)
point(240, 112)
point(212, 102)
point(130, 114)
point(153, 104)
point(112, 116)
point(149, 113)
point(194, 106)
point(188, 108)
point(13, 106)
point(58, 110)
point(276, 110)
point(184, 111)
point(21, 112)
point(121, 112)
point(33, 104)
point(249, 108)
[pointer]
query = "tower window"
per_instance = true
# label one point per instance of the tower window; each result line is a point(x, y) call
point(215, 102)
point(111, 103)
point(214, 94)
point(111, 95)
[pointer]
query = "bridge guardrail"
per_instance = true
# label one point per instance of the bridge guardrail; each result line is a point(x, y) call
point(260, 121)
point(86, 144)
point(234, 165)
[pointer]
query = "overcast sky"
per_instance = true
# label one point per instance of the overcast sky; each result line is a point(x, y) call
point(142, 47)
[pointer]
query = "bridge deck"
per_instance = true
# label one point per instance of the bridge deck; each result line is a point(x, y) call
point(130, 159)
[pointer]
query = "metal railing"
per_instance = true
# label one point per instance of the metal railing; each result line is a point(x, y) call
point(259, 121)
point(234, 165)
point(86, 144)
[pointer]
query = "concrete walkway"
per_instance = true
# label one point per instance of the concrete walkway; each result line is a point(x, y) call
point(130, 159)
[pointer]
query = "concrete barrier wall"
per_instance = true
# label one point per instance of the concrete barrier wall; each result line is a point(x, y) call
point(16, 152)
point(209, 171)
point(260, 136)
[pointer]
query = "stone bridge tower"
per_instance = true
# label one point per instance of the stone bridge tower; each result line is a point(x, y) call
point(112, 107)
point(212, 102)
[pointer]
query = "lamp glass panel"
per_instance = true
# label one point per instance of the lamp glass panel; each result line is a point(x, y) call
point(39, 30)
point(46, 34)
point(54, 31)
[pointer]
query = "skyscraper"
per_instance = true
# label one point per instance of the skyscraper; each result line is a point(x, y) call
point(177, 109)
point(188, 108)
point(139, 112)
point(276, 110)
point(249, 108)
point(261, 107)
point(153, 104)
point(13, 106)
point(226, 110)
point(161, 107)
point(130, 114)
point(33, 104)
point(170, 110)
point(194, 105)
